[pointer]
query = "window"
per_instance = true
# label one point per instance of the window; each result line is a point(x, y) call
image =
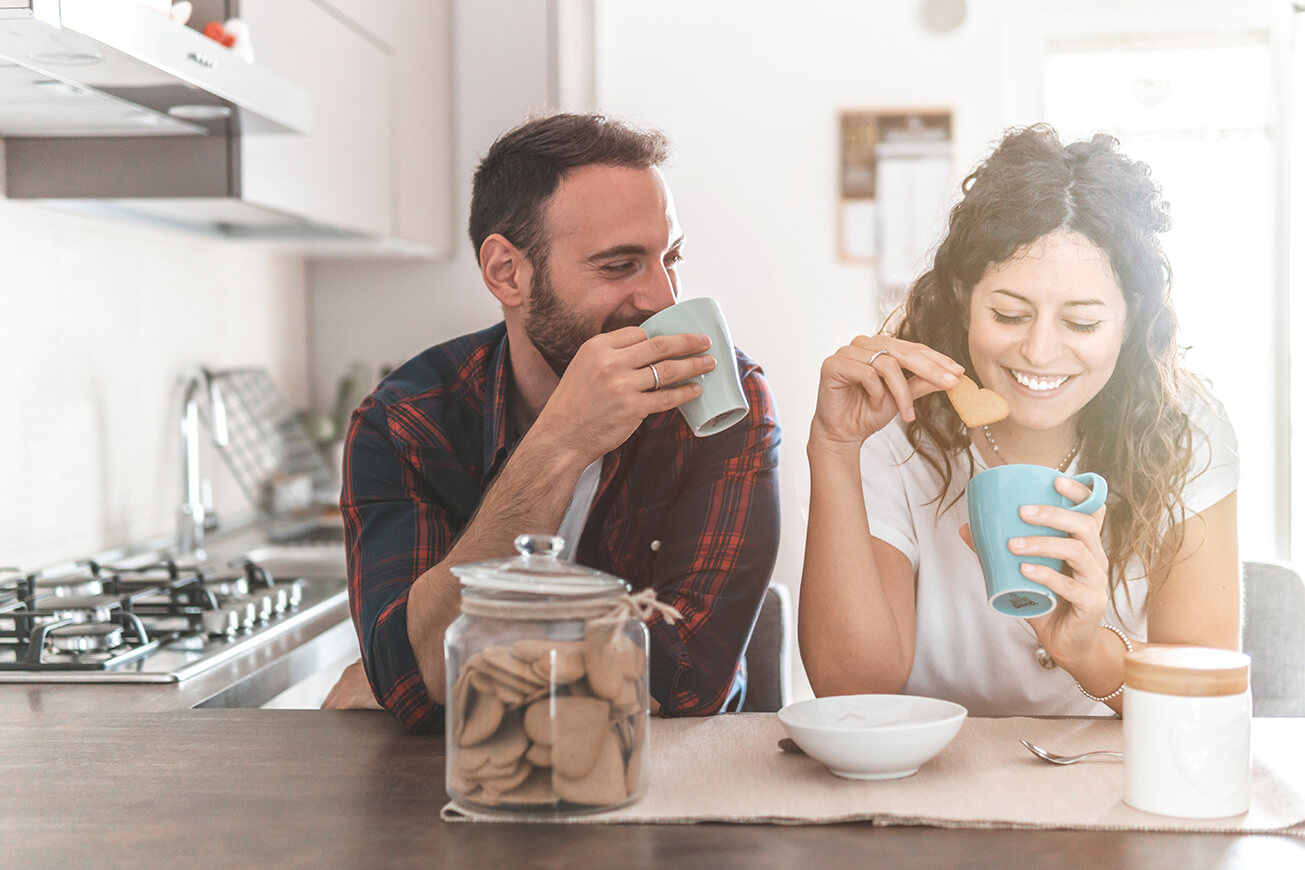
point(1200, 111)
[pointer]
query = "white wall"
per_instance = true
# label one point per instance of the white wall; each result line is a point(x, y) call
point(99, 318)
point(750, 94)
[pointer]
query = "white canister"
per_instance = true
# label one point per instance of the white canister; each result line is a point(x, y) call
point(1187, 731)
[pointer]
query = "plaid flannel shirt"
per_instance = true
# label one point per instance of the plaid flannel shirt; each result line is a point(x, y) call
point(697, 519)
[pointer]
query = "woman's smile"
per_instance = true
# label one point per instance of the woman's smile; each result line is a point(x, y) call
point(1039, 386)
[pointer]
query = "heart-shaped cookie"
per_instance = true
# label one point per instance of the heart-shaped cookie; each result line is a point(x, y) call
point(540, 755)
point(535, 791)
point(579, 727)
point(484, 713)
point(501, 750)
point(608, 658)
point(602, 783)
point(496, 786)
point(976, 406)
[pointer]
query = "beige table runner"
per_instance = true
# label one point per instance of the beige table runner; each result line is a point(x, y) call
point(729, 769)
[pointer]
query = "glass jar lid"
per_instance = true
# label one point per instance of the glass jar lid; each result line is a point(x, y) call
point(538, 570)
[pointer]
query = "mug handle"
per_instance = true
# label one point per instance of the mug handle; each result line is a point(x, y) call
point(1092, 503)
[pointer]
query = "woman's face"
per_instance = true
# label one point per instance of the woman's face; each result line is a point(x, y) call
point(1046, 327)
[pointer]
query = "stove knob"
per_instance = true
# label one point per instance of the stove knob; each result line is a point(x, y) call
point(280, 599)
point(248, 613)
point(263, 603)
point(221, 622)
point(294, 592)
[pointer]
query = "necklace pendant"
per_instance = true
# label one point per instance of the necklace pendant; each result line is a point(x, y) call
point(1045, 661)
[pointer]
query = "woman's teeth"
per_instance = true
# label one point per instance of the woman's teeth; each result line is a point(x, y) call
point(1037, 384)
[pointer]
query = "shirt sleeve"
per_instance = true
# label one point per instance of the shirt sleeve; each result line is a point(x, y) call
point(883, 484)
point(394, 532)
point(719, 549)
point(1216, 467)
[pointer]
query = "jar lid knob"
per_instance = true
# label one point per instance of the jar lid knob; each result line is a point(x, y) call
point(550, 546)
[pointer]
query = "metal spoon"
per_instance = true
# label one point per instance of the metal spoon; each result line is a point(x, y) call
point(1067, 759)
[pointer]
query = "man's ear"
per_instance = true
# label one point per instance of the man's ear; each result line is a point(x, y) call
point(505, 270)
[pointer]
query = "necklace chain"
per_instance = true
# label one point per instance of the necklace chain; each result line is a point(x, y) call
point(1064, 463)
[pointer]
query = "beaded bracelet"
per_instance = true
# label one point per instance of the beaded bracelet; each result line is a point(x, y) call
point(1128, 647)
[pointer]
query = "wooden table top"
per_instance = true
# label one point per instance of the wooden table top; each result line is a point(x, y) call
point(299, 788)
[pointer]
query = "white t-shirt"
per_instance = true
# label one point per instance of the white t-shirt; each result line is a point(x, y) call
point(577, 511)
point(964, 651)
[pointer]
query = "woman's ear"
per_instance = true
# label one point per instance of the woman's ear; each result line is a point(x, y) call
point(505, 270)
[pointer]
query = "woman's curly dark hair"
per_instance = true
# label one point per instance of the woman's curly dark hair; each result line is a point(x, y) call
point(1135, 431)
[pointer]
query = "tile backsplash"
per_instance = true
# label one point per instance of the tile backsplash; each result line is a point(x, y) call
point(98, 319)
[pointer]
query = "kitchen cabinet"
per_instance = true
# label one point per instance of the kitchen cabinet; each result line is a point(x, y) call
point(340, 173)
point(379, 158)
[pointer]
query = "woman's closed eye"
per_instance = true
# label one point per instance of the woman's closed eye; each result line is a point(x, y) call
point(1079, 326)
point(1008, 319)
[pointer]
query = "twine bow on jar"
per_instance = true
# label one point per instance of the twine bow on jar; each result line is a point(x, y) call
point(642, 605)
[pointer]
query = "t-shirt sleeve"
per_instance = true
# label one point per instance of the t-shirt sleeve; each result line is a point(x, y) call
point(883, 483)
point(1216, 467)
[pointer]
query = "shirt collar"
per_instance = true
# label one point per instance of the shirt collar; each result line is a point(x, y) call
point(496, 421)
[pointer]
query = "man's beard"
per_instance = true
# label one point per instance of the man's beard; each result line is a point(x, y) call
point(556, 331)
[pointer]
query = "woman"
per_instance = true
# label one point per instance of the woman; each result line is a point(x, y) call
point(1050, 289)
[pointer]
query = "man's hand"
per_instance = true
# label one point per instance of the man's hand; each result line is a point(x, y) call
point(608, 389)
point(351, 691)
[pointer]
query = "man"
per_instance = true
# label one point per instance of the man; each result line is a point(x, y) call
point(561, 417)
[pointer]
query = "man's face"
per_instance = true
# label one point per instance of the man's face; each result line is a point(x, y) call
point(612, 257)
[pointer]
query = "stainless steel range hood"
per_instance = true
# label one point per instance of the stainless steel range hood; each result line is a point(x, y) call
point(117, 68)
point(109, 107)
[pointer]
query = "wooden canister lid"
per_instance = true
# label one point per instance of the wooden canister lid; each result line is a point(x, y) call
point(1193, 671)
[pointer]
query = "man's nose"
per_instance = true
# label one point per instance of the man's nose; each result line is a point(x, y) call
point(660, 290)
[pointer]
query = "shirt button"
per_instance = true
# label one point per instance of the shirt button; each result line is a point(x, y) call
point(655, 546)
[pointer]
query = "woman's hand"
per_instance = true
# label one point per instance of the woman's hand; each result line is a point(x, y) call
point(1071, 631)
point(864, 385)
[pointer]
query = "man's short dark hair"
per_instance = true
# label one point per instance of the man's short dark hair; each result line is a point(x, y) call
point(525, 165)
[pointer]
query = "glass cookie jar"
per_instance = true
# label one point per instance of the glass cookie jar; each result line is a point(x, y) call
point(547, 669)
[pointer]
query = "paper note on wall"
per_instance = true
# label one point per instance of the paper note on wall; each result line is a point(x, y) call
point(913, 183)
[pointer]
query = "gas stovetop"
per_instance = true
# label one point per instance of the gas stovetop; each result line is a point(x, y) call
point(158, 622)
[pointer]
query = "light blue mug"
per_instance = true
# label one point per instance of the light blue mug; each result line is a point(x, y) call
point(994, 498)
point(722, 402)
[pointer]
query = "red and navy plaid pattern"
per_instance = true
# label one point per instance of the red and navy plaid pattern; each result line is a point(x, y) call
point(697, 519)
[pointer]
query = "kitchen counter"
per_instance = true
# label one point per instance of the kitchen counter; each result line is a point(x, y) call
point(351, 789)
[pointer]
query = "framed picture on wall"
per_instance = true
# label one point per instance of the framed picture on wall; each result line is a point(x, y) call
point(886, 158)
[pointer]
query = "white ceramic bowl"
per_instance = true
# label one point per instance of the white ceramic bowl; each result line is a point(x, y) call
point(873, 736)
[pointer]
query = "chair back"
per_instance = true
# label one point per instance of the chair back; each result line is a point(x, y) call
point(1273, 635)
point(768, 656)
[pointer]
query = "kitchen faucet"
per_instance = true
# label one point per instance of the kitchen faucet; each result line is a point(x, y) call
point(195, 516)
